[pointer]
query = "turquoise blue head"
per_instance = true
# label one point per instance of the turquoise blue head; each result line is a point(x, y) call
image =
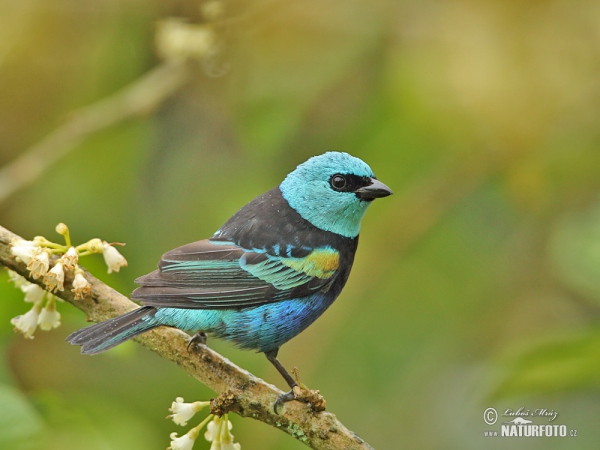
point(333, 191)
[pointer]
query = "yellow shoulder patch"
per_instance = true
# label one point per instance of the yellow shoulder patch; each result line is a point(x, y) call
point(321, 263)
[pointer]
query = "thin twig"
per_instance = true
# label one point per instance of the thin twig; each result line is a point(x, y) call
point(139, 98)
point(246, 395)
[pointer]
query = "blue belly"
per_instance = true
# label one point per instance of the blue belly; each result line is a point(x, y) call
point(262, 328)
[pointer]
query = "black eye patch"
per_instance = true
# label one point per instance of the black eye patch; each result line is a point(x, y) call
point(348, 182)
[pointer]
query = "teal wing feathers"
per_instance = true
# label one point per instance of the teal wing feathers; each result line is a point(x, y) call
point(209, 275)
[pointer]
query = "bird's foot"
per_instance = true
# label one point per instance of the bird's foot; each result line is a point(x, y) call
point(301, 393)
point(197, 339)
point(283, 398)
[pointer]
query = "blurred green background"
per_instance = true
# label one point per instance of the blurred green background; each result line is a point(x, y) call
point(477, 285)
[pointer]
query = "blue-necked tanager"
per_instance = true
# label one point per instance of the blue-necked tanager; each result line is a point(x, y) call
point(269, 272)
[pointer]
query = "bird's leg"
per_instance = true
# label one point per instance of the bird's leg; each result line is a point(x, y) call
point(289, 396)
point(298, 390)
point(272, 357)
point(198, 338)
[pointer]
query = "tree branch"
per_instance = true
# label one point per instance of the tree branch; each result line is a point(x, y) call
point(245, 394)
point(140, 97)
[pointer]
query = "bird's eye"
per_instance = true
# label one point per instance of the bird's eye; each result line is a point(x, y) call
point(338, 182)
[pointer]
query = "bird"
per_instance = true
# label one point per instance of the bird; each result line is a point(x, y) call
point(268, 273)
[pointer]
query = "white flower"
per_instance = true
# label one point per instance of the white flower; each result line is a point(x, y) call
point(17, 279)
point(178, 40)
point(182, 412)
point(220, 435)
point(23, 249)
point(81, 286)
point(55, 278)
point(69, 259)
point(39, 263)
point(27, 323)
point(113, 259)
point(33, 293)
point(185, 442)
point(227, 437)
point(49, 317)
point(212, 429)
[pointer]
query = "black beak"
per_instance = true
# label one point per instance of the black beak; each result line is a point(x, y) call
point(375, 190)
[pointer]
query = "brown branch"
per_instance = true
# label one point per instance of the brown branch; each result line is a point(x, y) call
point(246, 394)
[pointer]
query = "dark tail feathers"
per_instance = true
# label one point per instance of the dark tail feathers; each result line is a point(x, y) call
point(104, 335)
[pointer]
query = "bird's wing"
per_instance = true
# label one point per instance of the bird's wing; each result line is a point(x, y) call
point(209, 275)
